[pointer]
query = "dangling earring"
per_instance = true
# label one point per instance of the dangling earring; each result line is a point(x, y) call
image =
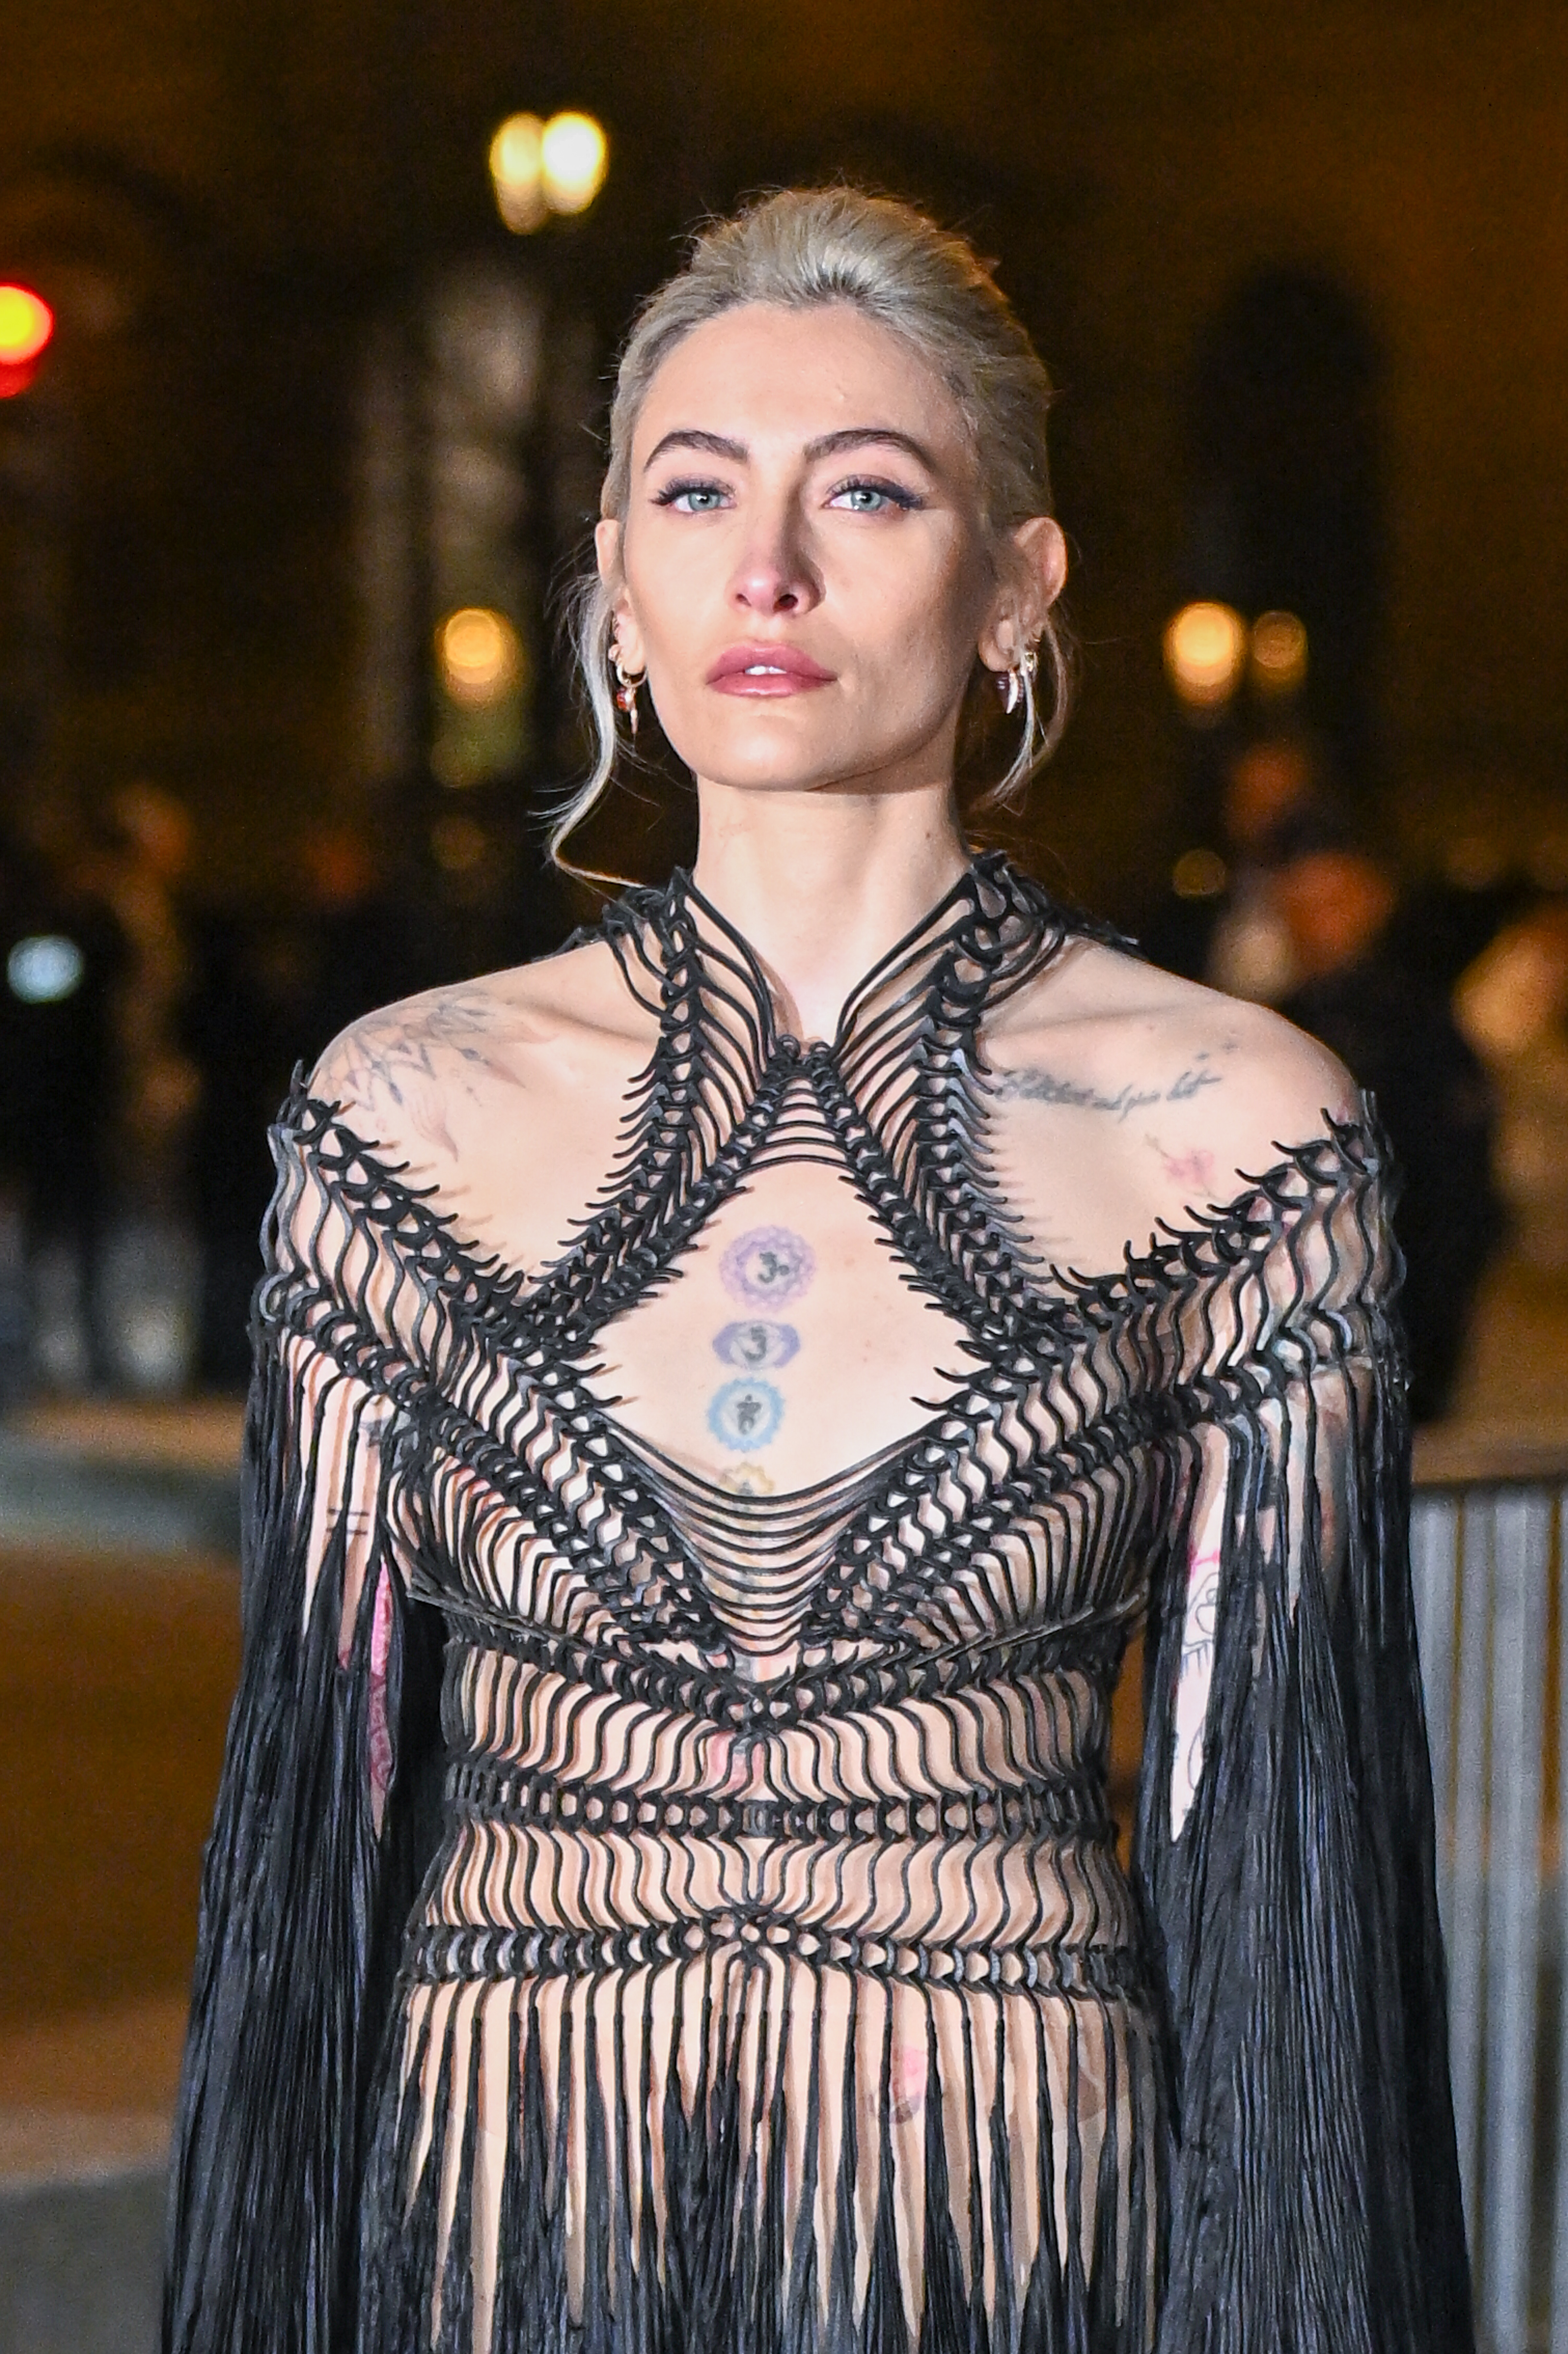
point(1017, 679)
point(626, 685)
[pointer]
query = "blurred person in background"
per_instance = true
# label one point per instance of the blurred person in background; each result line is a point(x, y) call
point(150, 1266)
point(1228, 931)
point(62, 960)
point(1512, 1002)
point(694, 1523)
point(233, 1031)
point(141, 876)
point(1397, 1031)
point(357, 949)
point(1271, 782)
point(261, 1001)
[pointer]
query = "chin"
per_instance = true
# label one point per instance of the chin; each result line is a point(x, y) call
point(765, 756)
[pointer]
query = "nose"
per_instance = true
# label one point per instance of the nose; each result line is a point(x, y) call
point(774, 574)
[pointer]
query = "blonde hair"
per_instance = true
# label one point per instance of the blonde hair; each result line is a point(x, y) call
point(796, 249)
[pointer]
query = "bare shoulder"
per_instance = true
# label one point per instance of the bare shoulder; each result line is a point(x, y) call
point(1148, 1041)
point(418, 1077)
point(1151, 1096)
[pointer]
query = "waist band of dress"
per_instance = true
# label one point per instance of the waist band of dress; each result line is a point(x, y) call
point(438, 1955)
point(1073, 1806)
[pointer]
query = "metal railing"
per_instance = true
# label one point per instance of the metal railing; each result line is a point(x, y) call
point(1489, 1556)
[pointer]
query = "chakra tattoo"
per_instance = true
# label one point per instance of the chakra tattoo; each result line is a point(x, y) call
point(764, 1268)
point(746, 1479)
point(757, 1347)
point(745, 1414)
point(767, 1267)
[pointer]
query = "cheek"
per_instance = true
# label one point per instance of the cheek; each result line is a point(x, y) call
point(927, 626)
point(674, 586)
point(924, 588)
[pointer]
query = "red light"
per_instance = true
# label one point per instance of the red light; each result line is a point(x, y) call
point(26, 324)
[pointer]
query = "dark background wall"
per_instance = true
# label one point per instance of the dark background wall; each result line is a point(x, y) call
point(224, 199)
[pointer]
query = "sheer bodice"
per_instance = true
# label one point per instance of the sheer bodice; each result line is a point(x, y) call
point(651, 1909)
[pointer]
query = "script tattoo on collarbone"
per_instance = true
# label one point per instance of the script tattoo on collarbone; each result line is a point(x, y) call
point(1032, 1085)
point(764, 1270)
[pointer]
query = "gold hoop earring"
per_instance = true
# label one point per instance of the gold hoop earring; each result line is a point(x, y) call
point(627, 683)
point(1017, 681)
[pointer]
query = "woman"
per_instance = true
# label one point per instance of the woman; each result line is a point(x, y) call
point(739, 1959)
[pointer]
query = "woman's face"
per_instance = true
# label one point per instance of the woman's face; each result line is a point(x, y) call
point(802, 567)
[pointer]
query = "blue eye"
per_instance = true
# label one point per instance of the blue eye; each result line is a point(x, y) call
point(873, 498)
point(692, 498)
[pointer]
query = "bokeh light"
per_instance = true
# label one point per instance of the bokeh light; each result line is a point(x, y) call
point(575, 157)
point(539, 168)
point(26, 324)
point(1206, 648)
point(44, 968)
point(1279, 653)
point(1199, 875)
point(517, 173)
point(480, 655)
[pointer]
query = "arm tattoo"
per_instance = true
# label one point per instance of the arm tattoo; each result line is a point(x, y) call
point(357, 1519)
point(1194, 1668)
point(1202, 1614)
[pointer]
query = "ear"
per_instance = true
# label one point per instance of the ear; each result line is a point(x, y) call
point(1035, 576)
point(607, 550)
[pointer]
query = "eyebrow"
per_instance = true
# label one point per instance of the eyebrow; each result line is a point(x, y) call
point(827, 445)
point(690, 437)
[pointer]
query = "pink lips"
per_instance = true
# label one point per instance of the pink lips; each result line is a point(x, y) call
point(767, 671)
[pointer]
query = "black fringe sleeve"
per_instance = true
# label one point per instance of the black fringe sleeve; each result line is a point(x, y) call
point(314, 1852)
point(1289, 1881)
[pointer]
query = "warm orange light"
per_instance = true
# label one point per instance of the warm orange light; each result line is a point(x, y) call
point(27, 323)
point(539, 168)
point(1279, 653)
point(574, 157)
point(1206, 646)
point(480, 655)
point(517, 173)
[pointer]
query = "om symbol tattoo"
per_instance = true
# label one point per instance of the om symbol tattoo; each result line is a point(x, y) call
point(767, 1267)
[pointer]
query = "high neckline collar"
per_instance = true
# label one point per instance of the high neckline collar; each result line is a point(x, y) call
point(943, 924)
point(695, 973)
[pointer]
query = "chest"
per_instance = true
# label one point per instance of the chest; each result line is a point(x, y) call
point(784, 1344)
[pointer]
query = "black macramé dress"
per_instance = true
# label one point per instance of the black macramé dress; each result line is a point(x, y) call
point(566, 1985)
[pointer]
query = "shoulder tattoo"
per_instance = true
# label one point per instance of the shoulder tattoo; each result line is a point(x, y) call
point(409, 1059)
point(1032, 1084)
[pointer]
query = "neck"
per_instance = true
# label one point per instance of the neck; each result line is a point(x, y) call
point(822, 884)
